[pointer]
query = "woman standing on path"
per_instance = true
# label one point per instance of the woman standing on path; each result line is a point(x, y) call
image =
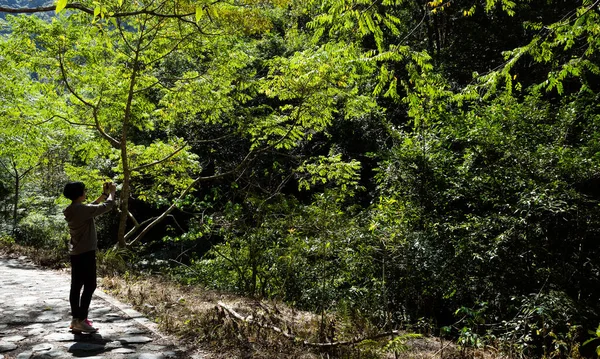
point(83, 246)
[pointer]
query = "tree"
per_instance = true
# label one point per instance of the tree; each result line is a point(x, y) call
point(27, 138)
point(114, 64)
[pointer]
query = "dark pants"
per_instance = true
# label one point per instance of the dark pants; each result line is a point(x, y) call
point(83, 274)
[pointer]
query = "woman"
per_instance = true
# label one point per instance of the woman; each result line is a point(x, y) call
point(83, 246)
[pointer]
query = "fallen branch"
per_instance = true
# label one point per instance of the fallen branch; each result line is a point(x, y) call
point(441, 349)
point(294, 338)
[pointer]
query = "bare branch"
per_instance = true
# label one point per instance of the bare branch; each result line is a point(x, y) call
point(305, 342)
point(131, 216)
point(177, 223)
point(4, 165)
point(137, 226)
point(168, 211)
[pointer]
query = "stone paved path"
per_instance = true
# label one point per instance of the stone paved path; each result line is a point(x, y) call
point(35, 315)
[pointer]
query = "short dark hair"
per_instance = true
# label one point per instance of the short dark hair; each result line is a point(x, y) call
point(74, 190)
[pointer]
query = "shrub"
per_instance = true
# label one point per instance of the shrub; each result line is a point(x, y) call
point(42, 230)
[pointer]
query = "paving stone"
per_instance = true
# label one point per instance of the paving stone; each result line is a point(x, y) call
point(48, 318)
point(135, 331)
point(99, 311)
point(153, 347)
point(35, 316)
point(6, 347)
point(13, 338)
point(37, 332)
point(55, 301)
point(50, 354)
point(149, 356)
point(42, 347)
point(34, 325)
point(113, 345)
point(59, 325)
point(123, 351)
point(135, 340)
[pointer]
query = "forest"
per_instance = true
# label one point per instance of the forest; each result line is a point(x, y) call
point(431, 166)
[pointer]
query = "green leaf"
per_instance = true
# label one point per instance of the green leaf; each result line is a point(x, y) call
point(199, 13)
point(60, 5)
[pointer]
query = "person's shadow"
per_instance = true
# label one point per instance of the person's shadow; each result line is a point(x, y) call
point(87, 345)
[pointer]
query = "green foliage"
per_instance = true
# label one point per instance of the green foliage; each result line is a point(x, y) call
point(43, 230)
point(367, 174)
point(6, 240)
point(115, 261)
point(398, 344)
point(594, 339)
point(331, 169)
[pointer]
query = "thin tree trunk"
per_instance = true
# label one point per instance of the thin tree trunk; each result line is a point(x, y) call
point(125, 190)
point(16, 200)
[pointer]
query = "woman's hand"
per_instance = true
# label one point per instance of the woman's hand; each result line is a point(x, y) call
point(113, 187)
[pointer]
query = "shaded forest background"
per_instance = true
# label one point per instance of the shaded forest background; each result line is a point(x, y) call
point(406, 163)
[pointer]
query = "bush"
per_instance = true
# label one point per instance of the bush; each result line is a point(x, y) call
point(42, 230)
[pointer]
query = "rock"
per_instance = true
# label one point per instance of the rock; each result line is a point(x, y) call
point(99, 311)
point(59, 337)
point(36, 332)
point(150, 356)
point(135, 331)
point(13, 338)
point(42, 347)
point(153, 347)
point(123, 351)
point(49, 355)
point(6, 347)
point(34, 325)
point(48, 318)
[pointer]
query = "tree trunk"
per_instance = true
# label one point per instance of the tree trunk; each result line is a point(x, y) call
point(16, 200)
point(125, 189)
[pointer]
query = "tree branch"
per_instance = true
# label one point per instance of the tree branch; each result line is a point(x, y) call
point(94, 108)
point(136, 225)
point(159, 161)
point(90, 11)
point(300, 340)
point(63, 72)
point(64, 119)
point(163, 215)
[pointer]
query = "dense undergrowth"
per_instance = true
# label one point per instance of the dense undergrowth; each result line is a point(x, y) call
point(208, 320)
point(229, 325)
